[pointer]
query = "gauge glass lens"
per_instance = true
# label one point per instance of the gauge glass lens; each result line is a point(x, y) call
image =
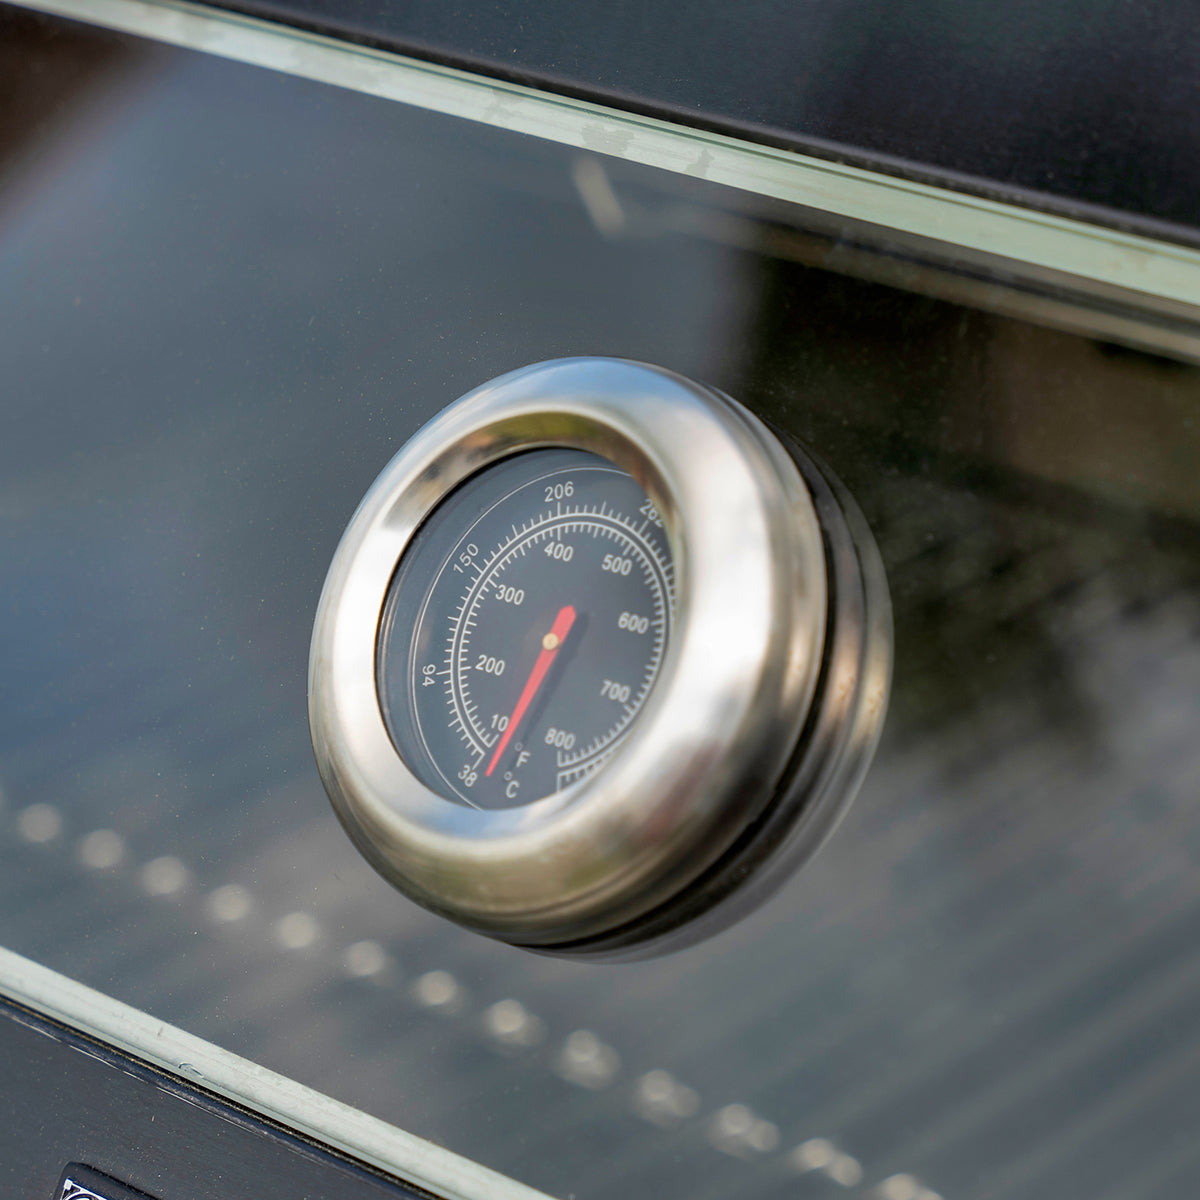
point(524, 628)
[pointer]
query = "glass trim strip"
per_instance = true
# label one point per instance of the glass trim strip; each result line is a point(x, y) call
point(1134, 265)
point(362, 1137)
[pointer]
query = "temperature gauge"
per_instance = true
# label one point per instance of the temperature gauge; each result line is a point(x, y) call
point(542, 592)
point(599, 661)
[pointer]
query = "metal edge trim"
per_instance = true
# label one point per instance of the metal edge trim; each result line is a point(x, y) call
point(1093, 254)
point(533, 874)
point(362, 1137)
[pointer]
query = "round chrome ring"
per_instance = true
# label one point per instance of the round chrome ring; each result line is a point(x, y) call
point(717, 736)
point(829, 761)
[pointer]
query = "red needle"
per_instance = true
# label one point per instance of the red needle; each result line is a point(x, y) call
point(550, 644)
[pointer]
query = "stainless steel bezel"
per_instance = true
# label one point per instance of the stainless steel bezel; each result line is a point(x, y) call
point(829, 761)
point(717, 730)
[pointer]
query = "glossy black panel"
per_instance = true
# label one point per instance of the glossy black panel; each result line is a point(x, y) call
point(146, 1135)
point(1065, 104)
point(227, 296)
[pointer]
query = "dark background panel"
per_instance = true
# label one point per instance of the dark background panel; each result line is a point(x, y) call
point(65, 1099)
point(1066, 104)
point(227, 297)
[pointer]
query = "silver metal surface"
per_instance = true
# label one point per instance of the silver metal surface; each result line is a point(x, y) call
point(713, 751)
point(715, 733)
point(829, 762)
point(1056, 252)
point(273, 1096)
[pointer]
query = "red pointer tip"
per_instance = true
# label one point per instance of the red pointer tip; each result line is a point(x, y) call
point(550, 645)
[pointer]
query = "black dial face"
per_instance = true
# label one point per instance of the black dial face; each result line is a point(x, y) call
point(525, 628)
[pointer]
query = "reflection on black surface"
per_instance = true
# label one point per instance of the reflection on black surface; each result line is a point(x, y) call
point(231, 303)
point(51, 74)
